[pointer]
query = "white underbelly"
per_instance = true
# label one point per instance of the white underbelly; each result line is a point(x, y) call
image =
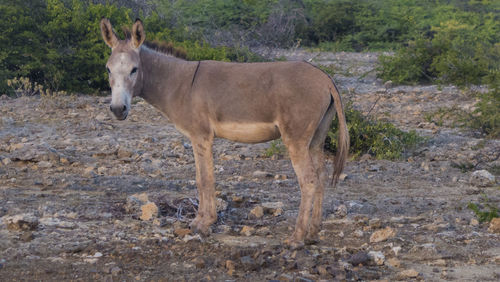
point(247, 132)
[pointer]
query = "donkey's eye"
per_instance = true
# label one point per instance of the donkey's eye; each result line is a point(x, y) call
point(108, 70)
point(134, 70)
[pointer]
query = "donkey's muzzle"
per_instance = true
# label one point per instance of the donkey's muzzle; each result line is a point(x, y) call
point(120, 112)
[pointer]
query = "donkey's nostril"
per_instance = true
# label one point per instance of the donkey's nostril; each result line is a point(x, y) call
point(124, 108)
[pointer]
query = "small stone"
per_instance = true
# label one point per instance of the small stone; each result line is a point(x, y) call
point(377, 257)
point(343, 176)
point(439, 262)
point(358, 233)
point(359, 258)
point(116, 271)
point(408, 273)
point(199, 262)
point(248, 263)
point(98, 255)
point(263, 231)
point(123, 153)
point(188, 238)
point(382, 235)
point(247, 230)
point(6, 161)
point(482, 178)
point(256, 212)
point(230, 266)
point(21, 222)
point(102, 170)
point(149, 211)
point(181, 232)
point(394, 262)
point(388, 84)
point(280, 177)
point(474, 222)
point(341, 211)
point(495, 225)
point(26, 236)
point(221, 205)
point(274, 208)
point(44, 164)
point(89, 171)
point(261, 174)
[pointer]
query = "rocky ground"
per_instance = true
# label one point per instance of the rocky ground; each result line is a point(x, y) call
point(86, 197)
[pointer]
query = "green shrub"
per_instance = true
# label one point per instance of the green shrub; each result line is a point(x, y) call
point(485, 210)
point(486, 117)
point(459, 51)
point(379, 139)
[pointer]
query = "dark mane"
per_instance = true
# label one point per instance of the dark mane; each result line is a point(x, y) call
point(166, 48)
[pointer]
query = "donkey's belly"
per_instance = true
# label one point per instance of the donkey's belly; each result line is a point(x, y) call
point(247, 132)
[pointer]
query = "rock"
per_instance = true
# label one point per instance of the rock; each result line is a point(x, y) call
point(358, 233)
point(474, 222)
point(199, 262)
point(388, 84)
point(247, 230)
point(256, 213)
point(482, 178)
point(248, 263)
point(135, 202)
point(494, 225)
point(261, 174)
point(280, 177)
point(188, 238)
point(21, 222)
point(423, 252)
point(341, 211)
point(408, 273)
point(382, 235)
point(181, 232)
point(149, 211)
point(6, 161)
point(44, 164)
point(359, 258)
point(263, 231)
point(115, 271)
point(26, 236)
point(230, 266)
point(377, 257)
point(394, 262)
point(343, 176)
point(122, 153)
point(274, 208)
point(220, 205)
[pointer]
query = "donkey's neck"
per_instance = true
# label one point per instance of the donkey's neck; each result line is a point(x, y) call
point(166, 81)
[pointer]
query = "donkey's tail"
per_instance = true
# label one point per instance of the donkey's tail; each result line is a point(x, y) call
point(343, 136)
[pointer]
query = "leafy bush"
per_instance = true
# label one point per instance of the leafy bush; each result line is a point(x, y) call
point(461, 50)
point(486, 117)
point(379, 139)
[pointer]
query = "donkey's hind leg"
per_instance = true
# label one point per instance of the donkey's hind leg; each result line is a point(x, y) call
point(318, 158)
point(205, 182)
point(308, 180)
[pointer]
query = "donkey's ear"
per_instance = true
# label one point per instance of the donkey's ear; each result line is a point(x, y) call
point(138, 34)
point(108, 34)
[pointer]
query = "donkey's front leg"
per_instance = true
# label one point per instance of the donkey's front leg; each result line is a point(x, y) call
point(205, 183)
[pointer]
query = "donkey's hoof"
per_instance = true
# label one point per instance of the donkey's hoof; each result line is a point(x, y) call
point(201, 229)
point(311, 239)
point(294, 244)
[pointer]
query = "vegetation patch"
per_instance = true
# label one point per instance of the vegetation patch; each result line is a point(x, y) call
point(382, 140)
point(484, 211)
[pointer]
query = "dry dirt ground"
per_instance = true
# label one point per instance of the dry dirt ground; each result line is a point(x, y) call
point(73, 181)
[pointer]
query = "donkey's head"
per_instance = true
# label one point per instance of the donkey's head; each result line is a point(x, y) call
point(123, 66)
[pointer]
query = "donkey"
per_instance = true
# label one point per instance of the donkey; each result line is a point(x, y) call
point(243, 102)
